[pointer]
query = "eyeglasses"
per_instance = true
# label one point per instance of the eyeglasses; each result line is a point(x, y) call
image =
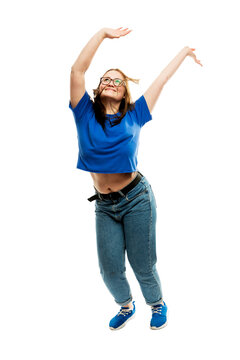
point(116, 82)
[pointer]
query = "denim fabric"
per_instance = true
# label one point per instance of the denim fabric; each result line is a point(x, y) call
point(128, 225)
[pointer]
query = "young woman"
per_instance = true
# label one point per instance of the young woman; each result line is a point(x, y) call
point(108, 132)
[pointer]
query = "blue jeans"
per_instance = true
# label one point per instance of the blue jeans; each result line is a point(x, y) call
point(128, 224)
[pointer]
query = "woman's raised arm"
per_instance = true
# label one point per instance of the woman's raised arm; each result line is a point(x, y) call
point(77, 87)
point(153, 92)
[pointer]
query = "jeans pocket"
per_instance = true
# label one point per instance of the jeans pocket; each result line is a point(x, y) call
point(98, 204)
point(138, 190)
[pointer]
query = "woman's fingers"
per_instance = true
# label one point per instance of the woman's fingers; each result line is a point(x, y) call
point(121, 28)
point(127, 32)
point(191, 53)
point(116, 33)
point(124, 31)
point(198, 62)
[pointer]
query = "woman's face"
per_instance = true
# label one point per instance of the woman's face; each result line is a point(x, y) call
point(111, 91)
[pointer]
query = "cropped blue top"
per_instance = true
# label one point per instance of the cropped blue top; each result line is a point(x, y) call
point(115, 149)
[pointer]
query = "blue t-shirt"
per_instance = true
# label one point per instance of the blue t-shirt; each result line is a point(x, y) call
point(115, 149)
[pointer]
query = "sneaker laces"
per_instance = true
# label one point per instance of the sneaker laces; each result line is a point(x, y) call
point(124, 311)
point(157, 309)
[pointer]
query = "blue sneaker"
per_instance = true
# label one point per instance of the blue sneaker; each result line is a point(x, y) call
point(159, 316)
point(122, 317)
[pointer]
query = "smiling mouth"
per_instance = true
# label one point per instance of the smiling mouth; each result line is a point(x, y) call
point(110, 89)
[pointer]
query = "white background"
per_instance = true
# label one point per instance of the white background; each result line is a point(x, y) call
point(54, 304)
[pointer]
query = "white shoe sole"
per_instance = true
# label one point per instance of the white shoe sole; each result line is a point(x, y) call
point(160, 327)
point(121, 326)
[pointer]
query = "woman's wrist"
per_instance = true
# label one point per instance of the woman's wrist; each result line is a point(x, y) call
point(102, 33)
point(186, 50)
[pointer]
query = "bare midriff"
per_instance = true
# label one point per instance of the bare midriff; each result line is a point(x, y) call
point(106, 183)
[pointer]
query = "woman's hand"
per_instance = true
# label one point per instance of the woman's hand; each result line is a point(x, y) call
point(115, 33)
point(191, 53)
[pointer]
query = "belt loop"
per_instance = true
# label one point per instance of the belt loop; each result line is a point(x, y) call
point(121, 193)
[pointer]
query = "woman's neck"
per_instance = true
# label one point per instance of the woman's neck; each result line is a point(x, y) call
point(112, 107)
